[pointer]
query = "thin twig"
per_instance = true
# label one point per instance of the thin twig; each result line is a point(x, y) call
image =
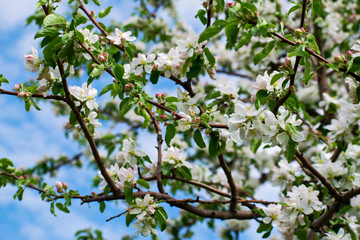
point(159, 141)
point(116, 216)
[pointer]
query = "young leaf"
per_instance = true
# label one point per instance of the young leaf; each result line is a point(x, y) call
point(130, 218)
point(128, 191)
point(161, 220)
point(209, 57)
point(213, 145)
point(102, 206)
point(143, 183)
point(261, 55)
point(211, 31)
point(104, 12)
point(154, 77)
point(170, 134)
point(3, 79)
point(199, 139)
point(290, 149)
point(54, 19)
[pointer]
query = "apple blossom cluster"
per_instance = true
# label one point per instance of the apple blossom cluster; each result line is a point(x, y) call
point(172, 156)
point(128, 156)
point(247, 123)
point(123, 177)
point(144, 209)
point(46, 76)
point(300, 202)
point(174, 63)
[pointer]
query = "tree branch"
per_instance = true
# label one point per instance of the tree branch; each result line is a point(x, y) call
point(231, 182)
point(35, 95)
point(159, 141)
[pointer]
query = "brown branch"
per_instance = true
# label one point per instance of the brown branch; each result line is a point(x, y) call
point(213, 125)
point(35, 95)
point(192, 182)
point(159, 141)
point(87, 133)
point(183, 205)
point(231, 182)
point(292, 77)
point(332, 190)
point(116, 216)
point(311, 52)
point(34, 187)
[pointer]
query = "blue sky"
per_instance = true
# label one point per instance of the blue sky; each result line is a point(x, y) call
point(27, 137)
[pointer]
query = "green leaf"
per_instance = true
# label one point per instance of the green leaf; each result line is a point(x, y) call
point(220, 4)
point(358, 93)
point(129, 52)
point(106, 89)
point(294, 8)
point(97, 71)
point(316, 7)
point(118, 71)
point(255, 144)
point(213, 145)
point(244, 39)
point(154, 77)
point(213, 95)
point(161, 220)
point(211, 31)
point(63, 208)
point(171, 99)
point(3, 79)
point(35, 105)
point(52, 209)
point(199, 139)
point(27, 106)
point(186, 172)
point(105, 12)
point(201, 15)
point(143, 183)
point(97, 2)
point(72, 118)
point(276, 77)
point(231, 31)
point(128, 191)
point(209, 57)
point(307, 72)
point(291, 149)
point(130, 218)
point(125, 106)
point(261, 55)
point(102, 206)
point(54, 19)
point(170, 133)
point(263, 228)
point(49, 31)
point(79, 36)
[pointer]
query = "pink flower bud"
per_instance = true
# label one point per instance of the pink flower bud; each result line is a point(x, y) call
point(345, 60)
point(26, 94)
point(93, 194)
point(26, 176)
point(140, 104)
point(93, 65)
point(21, 177)
point(197, 119)
point(205, 4)
point(123, 39)
point(21, 94)
point(16, 87)
point(298, 42)
point(127, 87)
point(64, 185)
point(154, 66)
point(157, 95)
point(230, 4)
point(59, 190)
point(58, 185)
point(163, 95)
point(131, 85)
point(349, 53)
point(102, 58)
point(162, 116)
point(105, 54)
